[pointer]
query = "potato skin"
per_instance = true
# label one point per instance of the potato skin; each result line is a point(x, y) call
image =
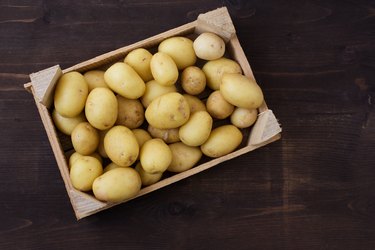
point(215, 69)
point(155, 156)
point(241, 91)
point(130, 112)
point(77, 155)
point(197, 129)
point(141, 135)
point(139, 60)
point(193, 80)
point(195, 104)
point(101, 108)
point(168, 135)
point(101, 149)
point(124, 80)
point(95, 79)
point(164, 69)
point(209, 46)
point(84, 171)
point(180, 49)
point(67, 124)
point(184, 157)
point(168, 111)
point(154, 90)
point(111, 166)
point(121, 146)
point(244, 118)
point(222, 140)
point(217, 106)
point(70, 94)
point(146, 178)
point(117, 185)
point(85, 138)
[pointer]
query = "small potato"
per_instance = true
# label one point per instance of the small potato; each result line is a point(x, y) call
point(101, 149)
point(168, 111)
point(195, 104)
point(84, 171)
point(167, 135)
point(155, 156)
point(154, 90)
point(222, 140)
point(243, 118)
point(164, 69)
point(67, 124)
point(85, 138)
point(75, 156)
point(139, 60)
point(209, 46)
point(101, 108)
point(117, 185)
point(217, 106)
point(215, 69)
point(111, 166)
point(180, 49)
point(130, 112)
point(70, 94)
point(241, 91)
point(197, 129)
point(141, 135)
point(95, 79)
point(193, 80)
point(121, 146)
point(146, 178)
point(183, 157)
point(124, 80)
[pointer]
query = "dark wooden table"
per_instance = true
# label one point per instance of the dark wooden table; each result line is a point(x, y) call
point(314, 189)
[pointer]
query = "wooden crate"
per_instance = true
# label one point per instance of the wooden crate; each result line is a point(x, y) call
point(265, 130)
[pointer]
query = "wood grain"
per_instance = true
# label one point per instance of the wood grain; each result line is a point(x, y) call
point(313, 189)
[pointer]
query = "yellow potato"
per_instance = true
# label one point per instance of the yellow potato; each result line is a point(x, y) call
point(95, 79)
point(164, 69)
point(215, 69)
point(168, 135)
point(217, 106)
point(70, 94)
point(180, 49)
point(168, 111)
point(155, 156)
point(183, 157)
point(101, 149)
point(111, 166)
point(195, 104)
point(154, 90)
point(139, 60)
point(193, 80)
point(117, 185)
point(85, 138)
point(121, 146)
point(67, 124)
point(141, 135)
point(244, 118)
point(124, 80)
point(222, 140)
point(84, 171)
point(146, 178)
point(101, 108)
point(77, 155)
point(130, 112)
point(241, 91)
point(197, 129)
point(209, 46)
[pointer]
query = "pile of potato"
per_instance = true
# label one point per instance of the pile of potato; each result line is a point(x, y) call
point(133, 115)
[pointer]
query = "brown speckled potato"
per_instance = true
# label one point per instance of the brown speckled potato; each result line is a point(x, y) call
point(130, 112)
point(193, 80)
point(167, 135)
point(85, 138)
point(244, 118)
point(217, 106)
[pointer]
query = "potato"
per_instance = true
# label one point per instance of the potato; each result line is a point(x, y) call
point(77, 155)
point(67, 124)
point(95, 79)
point(217, 106)
point(215, 69)
point(111, 166)
point(121, 146)
point(130, 112)
point(154, 90)
point(163, 69)
point(168, 135)
point(243, 118)
point(70, 94)
point(195, 104)
point(84, 171)
point(141, 135)
point(180, 49)
point(85, 138)
point(124, 80)
point(146, 178)
point(101, 108)
point(139, 60)
point(241, 91)
point(209, 46)
point(193, 80)
point(101, 149)
point(197, 129)
point(117, 185)
point(168, 111)
point(155, 156)
point(183, 157)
